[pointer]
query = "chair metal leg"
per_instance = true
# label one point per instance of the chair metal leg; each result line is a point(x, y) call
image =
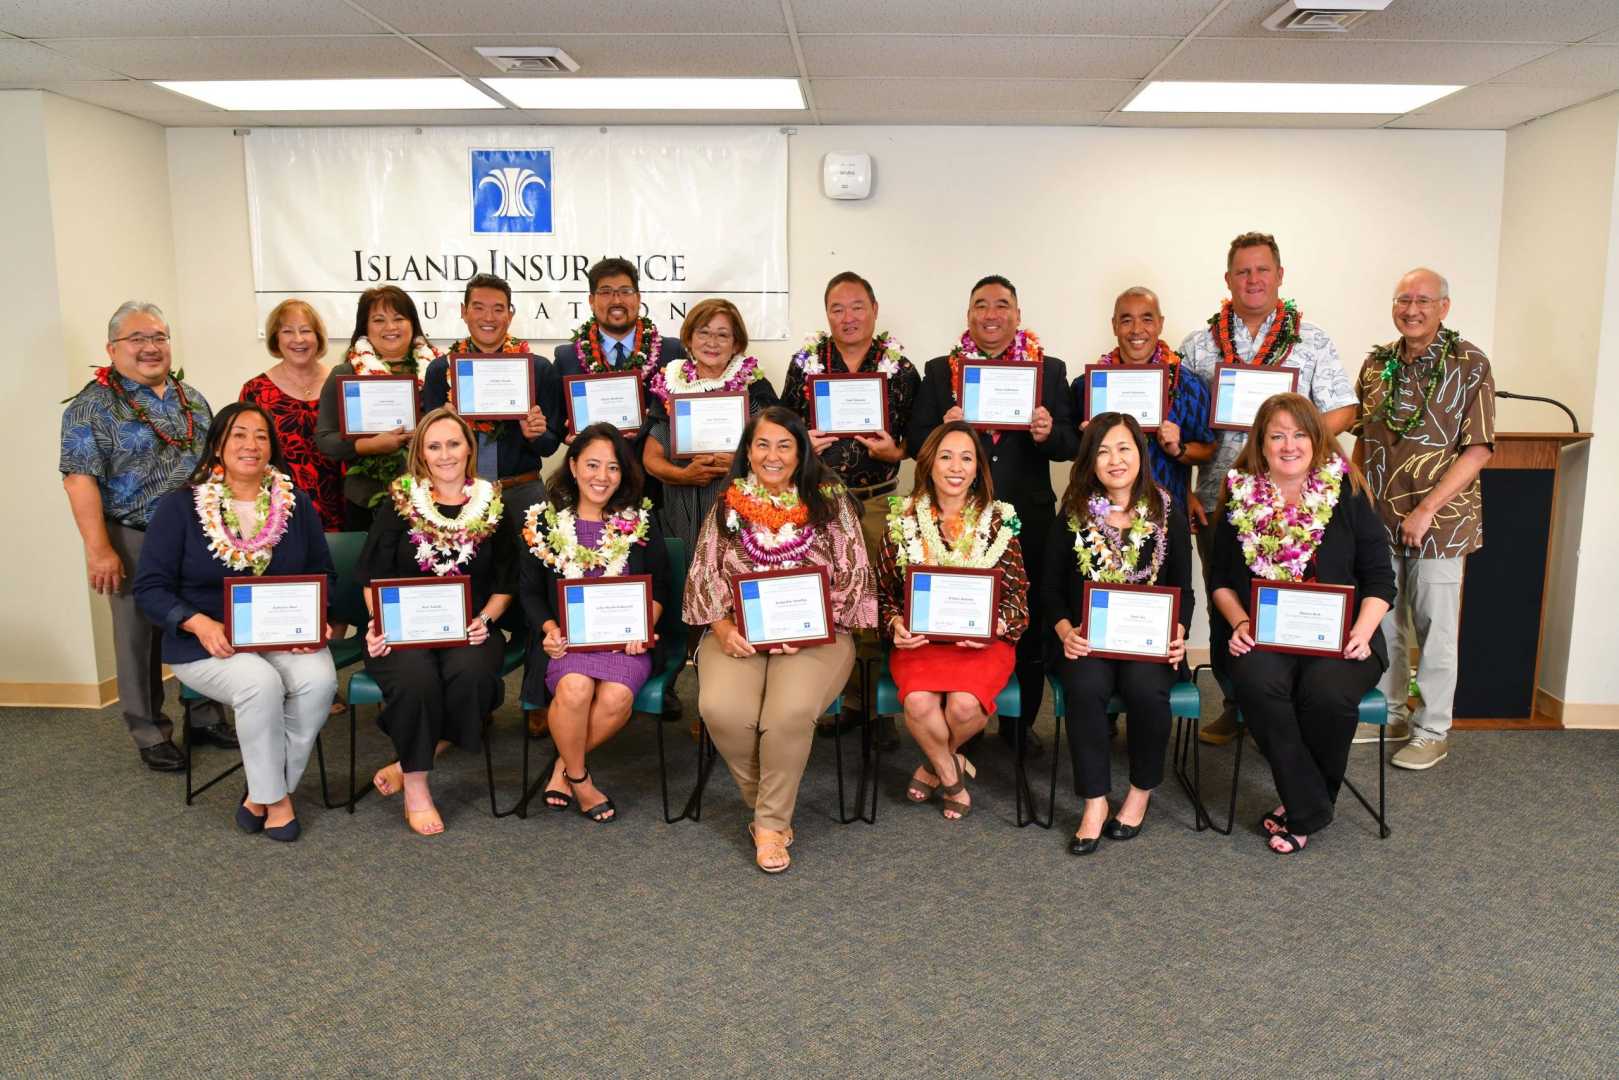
point(1191, 781)
point(707, 753)
point(1380, 814)
point(355, 795)
point(867, 742)
point(1021, 782)
point(191, 792)
point(489, 770)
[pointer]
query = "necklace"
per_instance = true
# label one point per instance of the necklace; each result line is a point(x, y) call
point(815, 356)
point(308, 389)
point(1278, 540)
point(556, 541)
point(772, 527)
point(913, 527)
point(681, 377)
point(444, 543)
point(1107, 553)
point(1162, 354)
point(273, 504)
point(107, 377)
point(363, 358)
point(587, 343)
point(1025, 348)
point(1393, 375)
point(1277, 344)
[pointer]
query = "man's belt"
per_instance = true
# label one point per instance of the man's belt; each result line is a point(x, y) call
point(515, 481)
point(887, 487)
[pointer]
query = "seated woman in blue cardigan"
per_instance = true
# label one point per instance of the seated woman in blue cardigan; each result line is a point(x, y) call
point(240, 516)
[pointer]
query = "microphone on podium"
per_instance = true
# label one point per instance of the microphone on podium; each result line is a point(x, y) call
point(1572, 419)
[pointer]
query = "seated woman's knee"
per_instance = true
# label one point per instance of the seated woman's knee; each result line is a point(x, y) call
point(962, 709)
point(574, 692)
point(921, 704)
point(614, 697)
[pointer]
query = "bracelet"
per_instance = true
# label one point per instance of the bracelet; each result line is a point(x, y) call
point(1243, 623)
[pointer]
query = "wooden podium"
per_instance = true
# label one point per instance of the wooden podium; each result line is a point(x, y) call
point(1504, 585)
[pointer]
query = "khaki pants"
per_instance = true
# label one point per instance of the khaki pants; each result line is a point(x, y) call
point(1427, 612)
point(760, 711)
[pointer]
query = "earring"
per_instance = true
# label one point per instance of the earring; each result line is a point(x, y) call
point(217, 472)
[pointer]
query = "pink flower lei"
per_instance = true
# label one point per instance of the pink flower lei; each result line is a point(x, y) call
point(1278, 540)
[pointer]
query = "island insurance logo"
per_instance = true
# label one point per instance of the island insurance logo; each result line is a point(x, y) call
point(511, 191)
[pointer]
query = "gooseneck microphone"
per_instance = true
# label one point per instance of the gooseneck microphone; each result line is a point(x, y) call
point(1572, 419)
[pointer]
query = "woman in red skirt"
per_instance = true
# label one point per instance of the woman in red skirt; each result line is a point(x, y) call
point(951, 519)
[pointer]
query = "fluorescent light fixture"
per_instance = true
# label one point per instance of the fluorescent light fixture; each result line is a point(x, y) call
point(335, 95)
point(1239, 97)
point(568, 92)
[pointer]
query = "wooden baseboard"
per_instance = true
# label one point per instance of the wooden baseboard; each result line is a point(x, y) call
point(1577, 717)
point(59, 695)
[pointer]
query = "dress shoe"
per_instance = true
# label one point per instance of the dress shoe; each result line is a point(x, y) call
point(539, 724)
point(1076, 846)
point(285, 833)
point(248, 821)
point(218, 735)
point(163, 757)
point(1114, 829)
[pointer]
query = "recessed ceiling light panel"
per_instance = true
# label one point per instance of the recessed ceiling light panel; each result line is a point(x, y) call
point(335, 95)
point(1237, 97)
point(607, 94)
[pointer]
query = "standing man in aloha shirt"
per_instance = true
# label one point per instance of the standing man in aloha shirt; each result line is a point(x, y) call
point(1255, 326)
point(133, 434)
point(1427, 426)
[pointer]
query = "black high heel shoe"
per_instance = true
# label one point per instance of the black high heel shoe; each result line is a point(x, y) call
point(1114, 829)
point(1083, 846)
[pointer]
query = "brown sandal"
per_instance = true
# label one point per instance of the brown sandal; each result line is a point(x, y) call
point(964, 769)
point(770, 848)
point(389, 779)
point(918, 791)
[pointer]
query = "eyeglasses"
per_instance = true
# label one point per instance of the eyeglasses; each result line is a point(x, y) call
point(623, 293)
point(140, 341)
point(705, 334)
point(1421, 303)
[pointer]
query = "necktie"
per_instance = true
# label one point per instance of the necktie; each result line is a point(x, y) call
point(618, 354)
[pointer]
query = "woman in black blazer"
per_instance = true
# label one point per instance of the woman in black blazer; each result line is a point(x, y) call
point(1297, 510)
point(595, 524)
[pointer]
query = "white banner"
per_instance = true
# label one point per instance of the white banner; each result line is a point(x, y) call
point(701, 211)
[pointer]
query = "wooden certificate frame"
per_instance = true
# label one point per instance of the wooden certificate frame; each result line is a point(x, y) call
point(738, 609)
point(343, 413)
point(834, 376)
point(1347, 591)
point(640, 396)
point(675, 452)
point(374, 590)
point(1174, 595)
point(1034, 399)
point(454, 374)
point(955, 571)
point(564, 584)
point(323, 603)
point(1163, 389)
point(1214, 391)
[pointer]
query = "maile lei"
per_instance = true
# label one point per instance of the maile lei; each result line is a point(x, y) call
point(1109, 554)
point(913, 526)
point(383, 468)
point(587, 343)
point(1025, 348)
point(1279, 339)
point(444, 544)
point(1278, 540)
point(1162, 354)
point(680, 377)
point(511, 346)
point(184, 443)
point(1392, 373)
point(552, 536)
point(273, 504)
point(815, 357)
point(773, 528)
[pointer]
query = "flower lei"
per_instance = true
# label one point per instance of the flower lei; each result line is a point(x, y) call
point(444, 543)
point(226, 543)
point(1025, 348)
point(680, 377)
point(556, 543)
point(465, 346)
point(1278, 541)
point(815, 357)
point(137, 411)
point(1278, 342)
point(1392, 374)
point(914, 528)
point(778, 532)
point(1111, 555)
point(587, 343)
point(363, 358)
point(1162, 354)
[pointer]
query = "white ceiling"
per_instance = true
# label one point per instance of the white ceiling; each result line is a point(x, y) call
point(860, 61)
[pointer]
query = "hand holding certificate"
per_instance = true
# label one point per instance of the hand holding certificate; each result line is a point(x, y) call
point(784, 608)
point(952, 603)
point(606, 613)
point(1310, 619)
point(608, 398)
point(1133, 622)
point(375, 404)
point(1141, 392)
point(275, 613)
point(849, 403)
point(999, 395)
point(420, 613)
point(1240, 389)
point(492, 387)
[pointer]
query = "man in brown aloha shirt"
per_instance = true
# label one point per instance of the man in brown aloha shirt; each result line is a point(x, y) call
point(1426, 422)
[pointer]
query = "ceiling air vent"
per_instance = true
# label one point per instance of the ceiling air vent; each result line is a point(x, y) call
point(1322, 16)
point(529, 59)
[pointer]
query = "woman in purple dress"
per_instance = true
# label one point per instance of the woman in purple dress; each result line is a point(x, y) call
point(594, 524)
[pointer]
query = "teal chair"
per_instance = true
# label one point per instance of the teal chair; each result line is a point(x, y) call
point(1185, 708)
point(672, 635)
point(708, 754)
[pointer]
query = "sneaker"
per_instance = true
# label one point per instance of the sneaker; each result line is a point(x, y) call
point(1421, 753)
point(1222, 731)
point(1397, 732)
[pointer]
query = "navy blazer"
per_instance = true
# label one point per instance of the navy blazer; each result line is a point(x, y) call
point(537, 590)
point(517, 454)
point(178, 577)
point(567, 357)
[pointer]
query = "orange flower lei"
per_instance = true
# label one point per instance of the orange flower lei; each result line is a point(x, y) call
point(759, 509)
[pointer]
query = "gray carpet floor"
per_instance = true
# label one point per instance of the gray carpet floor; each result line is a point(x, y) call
point(146, 938)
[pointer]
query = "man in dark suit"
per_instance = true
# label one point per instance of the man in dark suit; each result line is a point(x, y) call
point(1019, 460)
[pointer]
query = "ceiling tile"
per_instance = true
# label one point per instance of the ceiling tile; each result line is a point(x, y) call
point(256, 58)
point(1246, 120)
point(1611, 35)
point(1494, 106)
point(1438, 20)
point(876, 55)
point(956, 117)
point(24, 64)
point(132, 97)
point(1338, 60)
point(635, 54)
point(1578, 65)
point(968, 95)
point(1143, 18)
point(595, 17)
point(179, 18)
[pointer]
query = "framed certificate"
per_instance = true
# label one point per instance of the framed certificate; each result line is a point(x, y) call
point(784, 607)
point(707, 423)
point(604, 613)
point(423, 612)
point(1131, 622)
point(610, 397)
point(264, 614)
point(949, 603)
point(1240, 389)
point(1301, 617)
point(849, 403)
point(492, 387)
point(373, 404)
point(1000, 395)
point(1139, 391)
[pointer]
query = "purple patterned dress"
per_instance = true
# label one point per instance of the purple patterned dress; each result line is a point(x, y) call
point(617, 667)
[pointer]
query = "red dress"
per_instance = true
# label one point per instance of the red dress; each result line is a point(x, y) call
point(312, 471)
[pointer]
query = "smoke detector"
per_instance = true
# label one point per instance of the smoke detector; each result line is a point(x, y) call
point(1322, 16)
point(529, 59)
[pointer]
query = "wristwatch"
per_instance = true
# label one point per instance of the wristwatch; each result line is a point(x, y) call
point(484, 618)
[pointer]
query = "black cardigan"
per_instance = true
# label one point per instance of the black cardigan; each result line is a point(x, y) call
point(537, 590)
point(1354, 550)
point(1062, 589)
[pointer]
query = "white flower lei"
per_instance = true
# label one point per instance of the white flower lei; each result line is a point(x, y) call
point(363, 358)
point(915, 531)
point(556, 543)
point(744, 368)
point(889, 353)
point(443, 543)
point(274, 503)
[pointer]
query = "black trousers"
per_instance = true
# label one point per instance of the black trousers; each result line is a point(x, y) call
point(1302, 711)
point(1031, 647)
point(433, 694)
point(1219, 629)
point(1087, 684)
